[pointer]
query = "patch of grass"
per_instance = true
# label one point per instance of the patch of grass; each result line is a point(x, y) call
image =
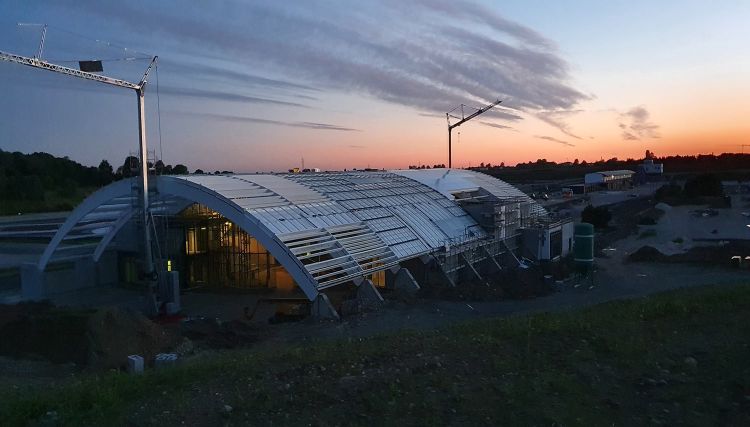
point(673, 358)
point(645, 234)
point(678, 240)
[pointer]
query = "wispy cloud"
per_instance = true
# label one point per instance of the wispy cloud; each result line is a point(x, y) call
point(247, 119)
point(636, 124)
point(498, 126)
point(234, 76)
point(557, 119)
point(224, 96)
point(559, 141)
point(417, 54)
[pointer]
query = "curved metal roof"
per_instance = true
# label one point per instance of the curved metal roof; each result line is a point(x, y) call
point(324, 228)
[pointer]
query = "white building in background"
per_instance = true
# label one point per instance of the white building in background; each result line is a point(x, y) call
point(609, 180)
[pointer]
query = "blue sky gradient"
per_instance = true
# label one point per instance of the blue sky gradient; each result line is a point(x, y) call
point(256, 86)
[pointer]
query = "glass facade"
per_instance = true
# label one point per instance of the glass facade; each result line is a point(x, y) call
point(218, 253)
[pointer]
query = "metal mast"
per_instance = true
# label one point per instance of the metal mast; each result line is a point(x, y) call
point(139, 89)
point(461, 121)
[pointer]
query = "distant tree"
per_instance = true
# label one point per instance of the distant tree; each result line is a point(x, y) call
point(704, 185)
point(68, 188)
point(159, 167)
point(180, 169)
point(199, 172)
point(668, 191)
point(575, 162)
point(130, 167)
point(106, 174)
point(217, 173)
point(168, 170)
point(599, 217)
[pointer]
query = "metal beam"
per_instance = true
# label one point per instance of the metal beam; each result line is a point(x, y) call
point(462, 121)
point(38, 63)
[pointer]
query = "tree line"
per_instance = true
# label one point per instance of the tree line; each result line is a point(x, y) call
point(41, 181)
point(731, 166)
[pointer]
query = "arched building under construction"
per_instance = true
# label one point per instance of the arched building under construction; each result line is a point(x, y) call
point(309, 231)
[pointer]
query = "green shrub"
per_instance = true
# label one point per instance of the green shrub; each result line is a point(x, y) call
point(599, 217)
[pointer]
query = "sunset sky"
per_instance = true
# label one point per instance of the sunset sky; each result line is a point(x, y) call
point(255, 86)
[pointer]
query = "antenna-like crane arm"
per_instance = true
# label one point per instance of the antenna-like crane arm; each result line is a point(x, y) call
point(36, 63)
point(144, 80)
point(476, 113)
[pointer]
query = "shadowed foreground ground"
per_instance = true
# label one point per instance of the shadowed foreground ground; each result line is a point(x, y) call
point(674, 358)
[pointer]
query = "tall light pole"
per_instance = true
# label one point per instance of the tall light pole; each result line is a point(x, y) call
point(461, 121)
point(140, 89)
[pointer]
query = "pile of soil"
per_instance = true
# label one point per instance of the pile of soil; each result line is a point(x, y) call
point(114, 333)
point(706, 255)
point(648, 254)
point(99, 339)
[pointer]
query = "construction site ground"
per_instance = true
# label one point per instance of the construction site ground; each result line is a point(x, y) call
point(677, 230)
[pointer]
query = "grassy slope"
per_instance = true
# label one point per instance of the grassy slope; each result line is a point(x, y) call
point(616, 363)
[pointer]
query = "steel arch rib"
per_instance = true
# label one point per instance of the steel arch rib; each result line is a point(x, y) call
point(200, 194)
point(195, 193)
point(98, 198)
point(121, 221)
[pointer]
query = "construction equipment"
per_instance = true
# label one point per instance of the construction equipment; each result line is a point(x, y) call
point(461, 120)
point(139, 88)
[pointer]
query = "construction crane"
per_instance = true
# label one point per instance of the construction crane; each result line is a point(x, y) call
point(140, 90)
point(461, 120)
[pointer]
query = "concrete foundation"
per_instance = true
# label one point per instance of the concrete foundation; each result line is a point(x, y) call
point(32, 282)
point(403, 284)
point(323, 309)
point(368, 296)
point(169, 291)
point(62, 277)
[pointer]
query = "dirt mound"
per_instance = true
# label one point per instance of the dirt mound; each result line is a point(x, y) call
point(101, 339)
point(647, 254)
point(113, 334)
point(714, 255)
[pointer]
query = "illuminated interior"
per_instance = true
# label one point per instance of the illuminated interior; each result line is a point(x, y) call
point(218, 253)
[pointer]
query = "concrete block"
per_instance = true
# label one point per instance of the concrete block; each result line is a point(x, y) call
point(169, 287)
point(164, 360)
point(323, 309)
point(404, 285)
point(85, 273)
point(135, 364)
point(368, 296)
point(32, 282)
point(172, 308)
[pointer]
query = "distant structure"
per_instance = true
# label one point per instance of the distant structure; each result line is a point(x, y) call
point(608, 180)
point(648, 171)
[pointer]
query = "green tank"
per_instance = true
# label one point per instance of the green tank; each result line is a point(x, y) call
point(584, 246)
